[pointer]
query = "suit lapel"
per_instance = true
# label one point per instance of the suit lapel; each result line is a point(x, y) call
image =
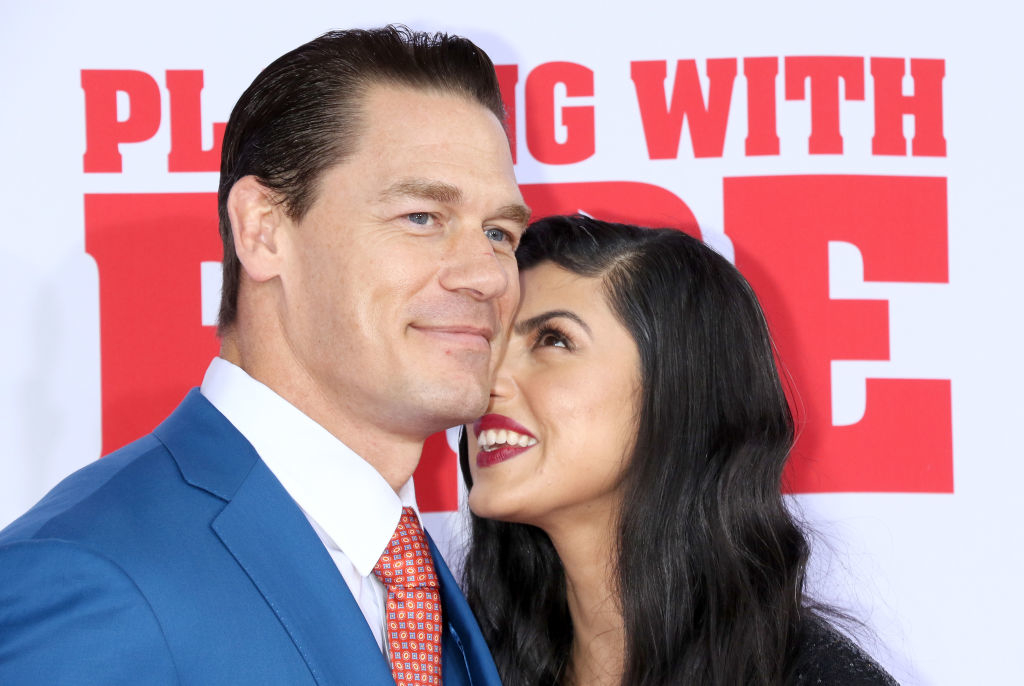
point(270, 538)
point(273, 542)
point(467, 659)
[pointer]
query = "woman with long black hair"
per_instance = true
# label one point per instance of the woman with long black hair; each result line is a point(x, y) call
point(628, 523)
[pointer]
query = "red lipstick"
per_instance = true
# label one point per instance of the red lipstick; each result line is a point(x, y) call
point(499, 421)
point(496, 422)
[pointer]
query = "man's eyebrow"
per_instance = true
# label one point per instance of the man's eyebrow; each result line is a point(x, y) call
point(423, 188)
point(536, 322)
point(518, 213)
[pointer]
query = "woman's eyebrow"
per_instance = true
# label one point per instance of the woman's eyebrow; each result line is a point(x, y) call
point(535, 322)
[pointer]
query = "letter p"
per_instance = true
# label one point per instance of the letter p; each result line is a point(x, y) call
point(103, 131)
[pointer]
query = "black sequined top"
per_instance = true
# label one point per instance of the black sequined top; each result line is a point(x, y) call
point(827, 658)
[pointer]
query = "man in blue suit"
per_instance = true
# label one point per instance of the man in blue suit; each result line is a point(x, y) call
point(369, 215)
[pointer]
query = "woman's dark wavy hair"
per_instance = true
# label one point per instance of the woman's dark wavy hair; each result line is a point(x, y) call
point(710, 563)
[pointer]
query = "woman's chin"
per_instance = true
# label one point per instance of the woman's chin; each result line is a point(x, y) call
point(480, 504)
point(485, 503)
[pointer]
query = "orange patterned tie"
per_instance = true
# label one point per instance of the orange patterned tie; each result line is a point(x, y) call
point(413, 606)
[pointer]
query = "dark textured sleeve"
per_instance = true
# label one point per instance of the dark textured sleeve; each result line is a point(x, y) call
point(828, 658)
point(70, 616)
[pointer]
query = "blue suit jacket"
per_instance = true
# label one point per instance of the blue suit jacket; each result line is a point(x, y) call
point(181, 559)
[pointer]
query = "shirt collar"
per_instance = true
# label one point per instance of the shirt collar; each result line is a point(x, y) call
point(345, 497)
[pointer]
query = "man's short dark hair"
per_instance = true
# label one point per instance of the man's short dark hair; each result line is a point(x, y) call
point(301, 115)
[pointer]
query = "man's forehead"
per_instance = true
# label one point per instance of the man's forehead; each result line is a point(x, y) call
point(408, 116)
point(377, 91)
point(399, 99)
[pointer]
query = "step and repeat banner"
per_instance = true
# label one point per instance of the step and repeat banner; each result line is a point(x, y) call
point(860, 162)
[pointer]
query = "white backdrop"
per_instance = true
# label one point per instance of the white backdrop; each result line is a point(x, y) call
point(913, 485)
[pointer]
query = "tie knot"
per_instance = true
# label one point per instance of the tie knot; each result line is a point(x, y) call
point(407, 562)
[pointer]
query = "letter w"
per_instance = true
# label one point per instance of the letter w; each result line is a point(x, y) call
point(663, 123)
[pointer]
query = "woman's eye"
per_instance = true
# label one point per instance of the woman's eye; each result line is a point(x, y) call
point(552, 339)
point(421, 218)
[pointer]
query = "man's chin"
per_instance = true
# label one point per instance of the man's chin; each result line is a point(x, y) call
point(450, 402)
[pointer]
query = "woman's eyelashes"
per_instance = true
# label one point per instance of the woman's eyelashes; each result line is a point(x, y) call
point(551, 336)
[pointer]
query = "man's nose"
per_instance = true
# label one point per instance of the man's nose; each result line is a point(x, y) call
point(473, 267)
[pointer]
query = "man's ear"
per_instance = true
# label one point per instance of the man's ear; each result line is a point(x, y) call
point(256, 225)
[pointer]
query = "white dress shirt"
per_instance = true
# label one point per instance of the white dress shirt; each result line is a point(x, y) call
point(351, 507)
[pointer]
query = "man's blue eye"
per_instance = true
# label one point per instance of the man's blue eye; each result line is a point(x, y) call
point(496, 234)
point(421, 218)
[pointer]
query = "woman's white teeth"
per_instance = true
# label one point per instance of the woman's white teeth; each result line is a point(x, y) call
point(492, 438)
